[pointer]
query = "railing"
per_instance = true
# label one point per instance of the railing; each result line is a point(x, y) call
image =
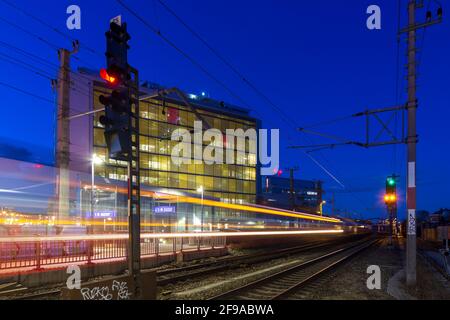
point(36, 254)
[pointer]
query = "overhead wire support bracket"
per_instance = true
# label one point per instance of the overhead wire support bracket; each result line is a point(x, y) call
point(368, 142)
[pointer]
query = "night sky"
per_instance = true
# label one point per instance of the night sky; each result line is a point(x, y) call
point(316, 60)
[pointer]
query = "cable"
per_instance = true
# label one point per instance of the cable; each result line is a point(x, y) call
point(158, 33)
point(39, 72)
point(180, 51)
point(397, 84)
point(41, 60)
point(43, 40)
point(327, 122)
point(41, 21)
point(28, 93)
point(24, 65)
point(285, 117)
point(52, 45)
point(225, 61)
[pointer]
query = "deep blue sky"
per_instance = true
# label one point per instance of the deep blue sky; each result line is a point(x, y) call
point(314, 59)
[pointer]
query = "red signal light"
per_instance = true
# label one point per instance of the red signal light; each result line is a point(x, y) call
point(107, 77)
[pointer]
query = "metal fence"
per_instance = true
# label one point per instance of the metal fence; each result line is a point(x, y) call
point(39, 253)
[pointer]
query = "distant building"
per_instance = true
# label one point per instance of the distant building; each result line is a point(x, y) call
point(440, 217)
point(276, 192)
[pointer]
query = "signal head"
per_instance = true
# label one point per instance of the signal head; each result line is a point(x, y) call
point(109, 78)
point(104, 120)
point(391, 181)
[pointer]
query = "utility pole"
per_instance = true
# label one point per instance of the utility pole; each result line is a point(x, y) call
point(63, 132)
point(333, 203)
point(411, 149)
point(412, 137)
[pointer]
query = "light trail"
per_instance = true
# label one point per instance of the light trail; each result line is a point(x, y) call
point(20, 221)
point(169, 235)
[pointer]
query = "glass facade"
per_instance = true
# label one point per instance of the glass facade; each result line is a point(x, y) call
point(231, 183)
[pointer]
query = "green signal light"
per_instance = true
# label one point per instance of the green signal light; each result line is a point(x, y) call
point(391, 181)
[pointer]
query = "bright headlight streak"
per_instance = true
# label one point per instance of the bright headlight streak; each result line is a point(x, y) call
point(170, 235)
point(260, 209)
point(240, 207)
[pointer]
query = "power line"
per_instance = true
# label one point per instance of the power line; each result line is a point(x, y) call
point(180, 51)
point(25, 66)
point(40, 59)
point(52, 45)
point(226, 62)
point(38, 37)
point(279, 111)
point(397, 82)
point(28, 93)
point(38, 71)
point(158, 33)
point(43, 22)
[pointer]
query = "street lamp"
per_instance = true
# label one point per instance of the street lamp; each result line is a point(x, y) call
point(96, 160)
point(202, 191)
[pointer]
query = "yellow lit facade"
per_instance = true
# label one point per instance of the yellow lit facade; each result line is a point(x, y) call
point(231, 183)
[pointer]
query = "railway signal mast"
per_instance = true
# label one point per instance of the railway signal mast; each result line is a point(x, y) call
point(121, 123)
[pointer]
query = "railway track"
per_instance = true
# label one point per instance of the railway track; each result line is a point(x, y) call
point(285, 284)
point(175, 275)
point(171, 276)
point(46, 295)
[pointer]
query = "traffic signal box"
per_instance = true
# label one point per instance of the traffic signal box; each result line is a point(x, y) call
point(390, 197)
point(118, 104)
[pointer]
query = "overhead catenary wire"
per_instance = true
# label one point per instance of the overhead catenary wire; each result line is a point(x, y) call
point(40, 72)
point(43, 40)
point(397, 83)
point(279, 111)
point(180, 51)
point(40, 38)
point(226, 62)
point(285, 117)
point(193, 61)
point(41, 60)
point(28, 93)
point(46, 24)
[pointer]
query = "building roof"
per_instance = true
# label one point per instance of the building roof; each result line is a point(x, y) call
point(201, 101)
point(285, 182)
